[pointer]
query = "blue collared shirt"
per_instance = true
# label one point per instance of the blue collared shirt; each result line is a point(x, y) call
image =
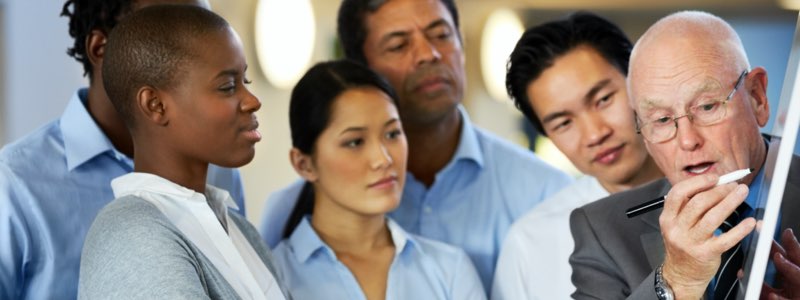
point(53, 182)
point(475, 198)
point(420, 269)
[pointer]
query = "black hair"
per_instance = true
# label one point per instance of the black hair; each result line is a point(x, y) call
point(152, 47)
point(540, 46)
point(352, 30)
point(88, 15)
point(310, 112)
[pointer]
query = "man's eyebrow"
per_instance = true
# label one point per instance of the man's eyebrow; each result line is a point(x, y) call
point(703, 87)
point(550, 117)
point(596, 89)
point(649, 103)
point(707, 86)
point(437, 23)
point(403, 33)
point(391, 35)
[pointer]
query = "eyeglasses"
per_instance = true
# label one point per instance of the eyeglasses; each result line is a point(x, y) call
point(706, 113)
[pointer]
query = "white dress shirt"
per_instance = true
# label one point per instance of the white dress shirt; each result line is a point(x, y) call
point(534, 260)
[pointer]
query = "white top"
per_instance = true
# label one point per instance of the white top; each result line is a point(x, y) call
point(534, 260)
point(201, 219)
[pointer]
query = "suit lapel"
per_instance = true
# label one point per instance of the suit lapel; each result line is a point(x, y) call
point(651, 239)
point(789, 207)
point(652, 242)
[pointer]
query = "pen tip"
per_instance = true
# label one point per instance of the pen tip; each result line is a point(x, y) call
point(751, 169)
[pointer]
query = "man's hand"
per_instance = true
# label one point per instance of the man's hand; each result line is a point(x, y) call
point(787, 263)
point(693, 210)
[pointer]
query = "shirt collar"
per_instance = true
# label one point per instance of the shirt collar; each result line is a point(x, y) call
point(135, 183)
point(83, 139)
point(403, 241)
point(305, 241)
point(468, 146)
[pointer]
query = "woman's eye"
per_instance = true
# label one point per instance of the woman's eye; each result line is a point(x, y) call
point(394, 134)
point(228, 88)
point(353, 143)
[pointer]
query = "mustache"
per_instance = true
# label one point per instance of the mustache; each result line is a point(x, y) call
point(425, 73)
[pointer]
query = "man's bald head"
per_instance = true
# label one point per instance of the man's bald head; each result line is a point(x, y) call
point(687, 37)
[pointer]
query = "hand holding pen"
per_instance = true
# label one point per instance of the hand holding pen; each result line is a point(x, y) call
point(659, 202)
point(693, 210)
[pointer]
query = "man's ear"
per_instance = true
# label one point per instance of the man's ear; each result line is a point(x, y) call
point(150, 103)
point(303, 165)
point(96, 48)
point(757, 94)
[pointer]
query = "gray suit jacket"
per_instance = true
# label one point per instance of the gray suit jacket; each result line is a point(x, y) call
point(615, 257)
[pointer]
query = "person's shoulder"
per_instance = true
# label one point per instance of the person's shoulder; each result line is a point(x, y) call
point(553, 210)
point(513, 159)
point(580, 192)
point(43, 144)
point(130, 213)
point(276, 212)
point(291, 191)
point(502, 148)
point(284, 255)
point(130, 226)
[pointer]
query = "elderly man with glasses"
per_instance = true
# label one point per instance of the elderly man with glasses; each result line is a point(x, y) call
point(699, 107)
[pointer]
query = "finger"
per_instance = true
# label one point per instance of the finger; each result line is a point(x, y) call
point(775, 296)
point(701, 209)
point(727, 240)
point(776, 248)
point(789, 271)
point(767, 291)
point(719, 212)
point(791, 245)
point(681, 193)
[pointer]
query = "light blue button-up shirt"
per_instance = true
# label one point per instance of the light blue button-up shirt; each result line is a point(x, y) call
point(475, 198)
point(421, 269)
point(53, 182)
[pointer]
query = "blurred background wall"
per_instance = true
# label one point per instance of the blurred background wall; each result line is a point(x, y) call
point(38, 77)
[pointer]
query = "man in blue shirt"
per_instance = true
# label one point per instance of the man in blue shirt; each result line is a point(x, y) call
point(465, 186)
point(54, 181)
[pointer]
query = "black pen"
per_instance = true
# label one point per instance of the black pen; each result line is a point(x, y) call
point(659, 202)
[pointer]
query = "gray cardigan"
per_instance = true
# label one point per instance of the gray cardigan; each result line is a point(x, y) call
point(132, 251)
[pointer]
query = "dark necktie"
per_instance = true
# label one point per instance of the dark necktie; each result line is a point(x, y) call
point(726, 282)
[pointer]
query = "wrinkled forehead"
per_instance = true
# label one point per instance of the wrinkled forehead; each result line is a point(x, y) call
point(675, 95)
point(672, 74)
point(406, 15)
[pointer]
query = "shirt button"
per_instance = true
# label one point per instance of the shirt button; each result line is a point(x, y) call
point(427, 209)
